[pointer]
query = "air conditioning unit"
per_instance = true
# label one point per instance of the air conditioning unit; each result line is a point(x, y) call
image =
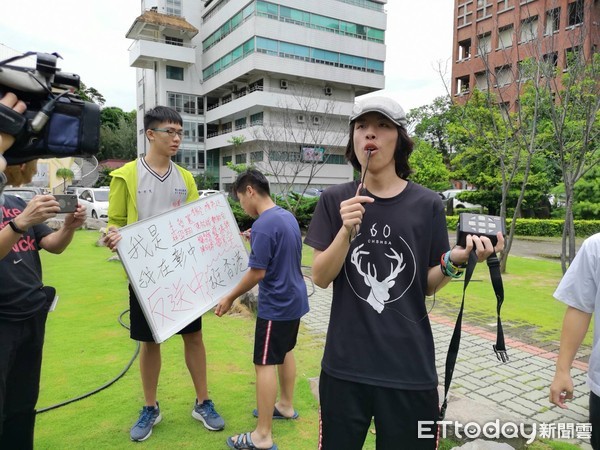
point(327, 90)
point(316, 120)
point(283, 84)
point(301, 118)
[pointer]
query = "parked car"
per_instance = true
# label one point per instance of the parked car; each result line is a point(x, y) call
point(95, 201)
point(451, 194)
point(206, 192)
point(23, 192)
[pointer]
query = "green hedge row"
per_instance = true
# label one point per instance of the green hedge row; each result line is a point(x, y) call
point(305, 207)
point(543, 227)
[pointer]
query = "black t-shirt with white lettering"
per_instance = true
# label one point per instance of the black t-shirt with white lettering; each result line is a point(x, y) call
point(379, 331)
point(21, 294)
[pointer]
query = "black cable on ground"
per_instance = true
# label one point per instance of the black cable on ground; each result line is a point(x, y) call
point(130, 363)
point(105, 385)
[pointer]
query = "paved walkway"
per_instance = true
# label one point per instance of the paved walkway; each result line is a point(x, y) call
point(515, 391)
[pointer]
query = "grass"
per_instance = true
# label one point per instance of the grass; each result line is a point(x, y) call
point(86, 347)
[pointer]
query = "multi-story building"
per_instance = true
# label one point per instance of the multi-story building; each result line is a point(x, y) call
point(492, 38)
point(269, 83)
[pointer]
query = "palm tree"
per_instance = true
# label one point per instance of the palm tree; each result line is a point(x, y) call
point(65, 174)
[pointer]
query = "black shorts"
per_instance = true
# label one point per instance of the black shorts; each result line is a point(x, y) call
point(139, 329)
point(273, 339)
point(348, 407)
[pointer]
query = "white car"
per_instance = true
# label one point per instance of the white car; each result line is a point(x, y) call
point(206, 192)
point(456, 203)
point(95, 201)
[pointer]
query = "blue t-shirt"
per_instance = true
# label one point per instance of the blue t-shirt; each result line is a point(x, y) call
point(277, 248)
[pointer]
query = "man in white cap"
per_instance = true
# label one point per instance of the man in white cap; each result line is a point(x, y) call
point(383, 242)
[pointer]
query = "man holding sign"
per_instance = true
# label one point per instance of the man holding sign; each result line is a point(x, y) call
point(143, 188)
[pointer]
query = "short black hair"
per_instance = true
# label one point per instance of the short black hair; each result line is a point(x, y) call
point(160, 114)
point(404, 147)
point(251, 177)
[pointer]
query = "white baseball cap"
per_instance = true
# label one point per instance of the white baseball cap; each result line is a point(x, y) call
point(383, 105)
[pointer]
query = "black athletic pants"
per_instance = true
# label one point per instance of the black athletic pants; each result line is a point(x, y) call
point(595, 420)
point(21, 346)
point(347, 409)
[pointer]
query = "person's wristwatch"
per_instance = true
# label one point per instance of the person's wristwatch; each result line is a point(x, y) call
point(15, 228)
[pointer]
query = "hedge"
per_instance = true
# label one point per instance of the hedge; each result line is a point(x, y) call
point(543, 227)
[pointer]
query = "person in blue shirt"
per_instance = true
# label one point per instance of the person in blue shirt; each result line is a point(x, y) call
point(274, 264)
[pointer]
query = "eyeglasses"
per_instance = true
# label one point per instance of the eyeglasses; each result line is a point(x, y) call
point(169, 131)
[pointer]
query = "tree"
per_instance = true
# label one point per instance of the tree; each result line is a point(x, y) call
point(299, 138)
point(65, 174)
point(90, 94)
point(118, 135)
point(430, 124)
point(428, 166)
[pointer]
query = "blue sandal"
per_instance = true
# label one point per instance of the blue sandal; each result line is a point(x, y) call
point(244, 442)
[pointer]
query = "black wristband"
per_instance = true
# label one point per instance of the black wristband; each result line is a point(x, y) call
point(15, 228)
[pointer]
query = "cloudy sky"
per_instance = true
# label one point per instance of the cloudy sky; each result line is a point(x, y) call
point(90, 36)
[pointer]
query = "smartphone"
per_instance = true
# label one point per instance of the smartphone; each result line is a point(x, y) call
point(67, 202)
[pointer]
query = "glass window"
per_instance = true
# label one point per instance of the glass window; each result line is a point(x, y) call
point(240, 123)
point(375, 34)
point(552, 21)
point(575, 12)
point(268, 46)
point(240, 159)
point(505, 37)
point(484, 45)
point(226, 159)
point(503, 75)
point(175, 73)
point(256, 157)
point(174, 7)
point(256, 119)
point(266, 8)
point(481, 81)
point(529, 28)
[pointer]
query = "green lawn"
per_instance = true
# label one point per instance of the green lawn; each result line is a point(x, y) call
point(86, 347)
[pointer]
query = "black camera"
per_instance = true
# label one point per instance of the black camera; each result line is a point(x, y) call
point(66, 202)
point(58, 123)
point(480, 225)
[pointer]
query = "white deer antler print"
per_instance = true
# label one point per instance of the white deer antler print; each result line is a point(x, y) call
point(380, 290)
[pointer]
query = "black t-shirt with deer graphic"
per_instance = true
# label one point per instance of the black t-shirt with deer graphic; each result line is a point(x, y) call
point(379, 331)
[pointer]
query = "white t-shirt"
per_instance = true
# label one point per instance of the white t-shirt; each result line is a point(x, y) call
point(157, 194)
point(579, 288)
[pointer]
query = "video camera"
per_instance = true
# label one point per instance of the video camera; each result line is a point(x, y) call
point(58, 123)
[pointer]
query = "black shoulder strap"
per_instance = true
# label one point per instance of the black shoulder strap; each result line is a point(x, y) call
point(499, 347)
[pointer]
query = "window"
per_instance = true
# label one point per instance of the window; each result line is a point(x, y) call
point(503, 76)
point(226, 128)
point(481, 81)
point(256, 157)
point(174, 41)
point(190, 130)
point(185, 103)
point(175, 73)
point(226, 159)
point(256, 119)
point(552, 21)
point(464, 50)
point(575, 12)
point(505, 37)
point(484, 45)
point(550, 63)
point(240, 159)
point(464, 15)
point(174, 7)
point(462, 85)
point(572, 56)
point(529, 29)
point(484, 9)
point(503, 5)
point(240, 123)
